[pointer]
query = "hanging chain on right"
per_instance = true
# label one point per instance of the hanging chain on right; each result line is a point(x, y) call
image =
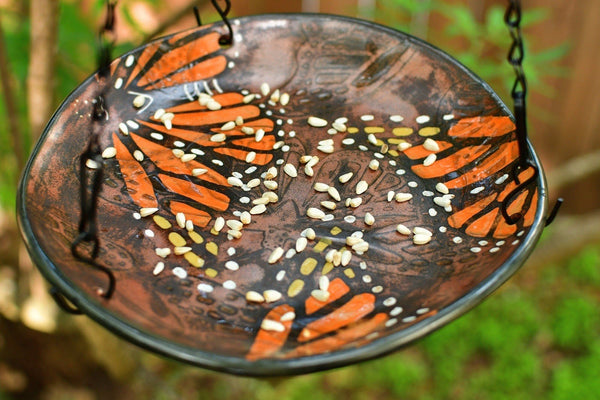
point(516, 54)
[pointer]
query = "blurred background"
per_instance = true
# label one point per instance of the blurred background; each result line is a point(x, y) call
point(536, 337)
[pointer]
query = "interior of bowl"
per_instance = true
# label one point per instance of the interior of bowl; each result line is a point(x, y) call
point(322, 191)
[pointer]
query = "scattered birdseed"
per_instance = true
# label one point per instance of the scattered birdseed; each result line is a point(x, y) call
point(421, 238)
point(149, 233)
point(276, 255)
point(390, 195)
point(288, 316)
point(280, 275)
point(475, 249)
point(265, 89)
point(254, 297)
point(390, 301)
point(321, 187)
point(333, 192)
point(448, 117)
point(158, 114)
point(271, 295)
point(402, 197)
point(320, 295)
point(178, 153)
point(258, 209)
point(429, 160)
point(109, 152)
point(162, 251)
point(355, 202)
point(123, 128)
point(270, 325)
point(309, 233)
point(374, 165)
point(133, 124)
point(404, 146)
point(181, 250)
point(369, 219)
point(440, 187)
point(248, 98)
point(317, 122)
point(156, 136)
point(396, 118)
point(315, 213)
point(432, 212)
point(284, 99)
point(160, 266)
point(477, 190)
point(348, 141)
point(228, 126)
point(146, 211)
point(403, 229)
point(361, 187)
point(290, 169)
point(328, 217)
point(301, 244)
point(260, 133)
point(431, 145)
point(361, 247)
point(252, 183)
point(412, 184)
point(218, 137)
point(441, 201)
point(367, 117)
point(188, 157)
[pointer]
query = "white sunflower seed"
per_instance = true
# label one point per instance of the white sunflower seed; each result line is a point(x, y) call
point(301, 244)
point(402, 197)
point(275, 255)
point(431, 145)
point(290, 169)
point(369, 219)
point(254, 297)
point(315, 213)
point(361, 187)
point(346, 177)
point(317, 122)
point(321, 187)
point(403, 229)
point(270, 325)
point(333, 192)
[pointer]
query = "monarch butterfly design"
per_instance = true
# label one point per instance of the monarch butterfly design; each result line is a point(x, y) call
point(339, 185)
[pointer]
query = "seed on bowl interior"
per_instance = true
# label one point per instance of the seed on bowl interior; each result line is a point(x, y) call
point(146, 211)
point(330, 205)
point(369, 219)
point(321, 295)
point(429, 160)
point(321, 187)
point(355, 202)
point(404, 146)
point(309, 233)
point(254, 297)
point(260, 134)
point(271, 295)
point(333, 192)
point(431, 145)
point(422, 231)
point(346, 258)
point(109, 152)
point(275, 255)
point(284, 99)
point(235, 224)
point(361, 187)
point(219, 224)
point(361, 247)
point(339, 126)
point(317, 122)
point(346, 177)
point(301, 244)
point(180, 219)
point(441, 201)
point(290, 169)
point(270, 325)
point(228, 126)
point(421, 238)
point(258, 209)
point(248, 98)
point(252, 183)
point(390, 195)
point(178, 153)
point(162, 251)
point(402, 197)
point(327, 149)
point(160, 266)
point(440, 187)
point(271, 173)
point(271, 185)
point(315, 213)
point(234, 234)
point(403, 229)
point(374, 165)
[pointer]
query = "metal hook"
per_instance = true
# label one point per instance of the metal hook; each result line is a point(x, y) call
point(61, 301)
point(197, 15)
point(513, 219)
point(554, 211)
point(226, 39)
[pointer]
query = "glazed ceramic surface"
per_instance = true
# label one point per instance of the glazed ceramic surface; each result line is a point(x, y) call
point(277, 133)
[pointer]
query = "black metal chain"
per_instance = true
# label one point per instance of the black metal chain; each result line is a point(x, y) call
point(91, 164)
point(516, 54)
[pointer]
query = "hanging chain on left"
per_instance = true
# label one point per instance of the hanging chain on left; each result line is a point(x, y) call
point(91, 164)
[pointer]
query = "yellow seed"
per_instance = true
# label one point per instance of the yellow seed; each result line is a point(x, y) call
point(193, 259)
point(393, 153)
point(335, 230)
point(211, 273)
point(429, 131)
point(308, 266)
point(402, 131)
point(295, 288)
point(349, 273)
point(212, 248)
point(195, 236)
point(176, 239)
point(161, 222)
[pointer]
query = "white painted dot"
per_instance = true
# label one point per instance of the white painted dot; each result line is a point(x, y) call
point(137, 215)
point(350, 219)
point(244, 200)
point(391, 322)
point(180, 272)
point(409, 319)
point(457, 239)
point(422, 119)
point(280, 275)
point(230, 285)
point(390, 301)
point(129, 60)
point(475, 249)
point(477, 190)
point(448, 117)
point(396, 311)
point(205, 287)
point(149, 233)
point(118, 83)
point(396, 118)
point(428, 193)
point(422, 311)
point(494, 249)
point(400, 172)
point(367, 117)
point(412, 184)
